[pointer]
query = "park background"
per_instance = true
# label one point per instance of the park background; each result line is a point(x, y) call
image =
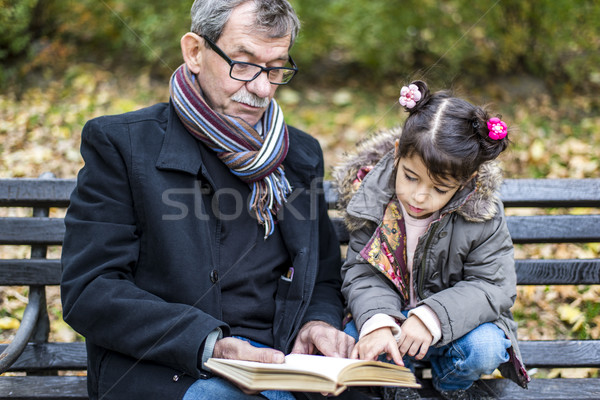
point(536, 63)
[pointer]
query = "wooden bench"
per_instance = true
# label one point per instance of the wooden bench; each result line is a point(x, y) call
point(40, 365)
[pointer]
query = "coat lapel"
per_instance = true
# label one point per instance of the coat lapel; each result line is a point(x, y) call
point(180, 150)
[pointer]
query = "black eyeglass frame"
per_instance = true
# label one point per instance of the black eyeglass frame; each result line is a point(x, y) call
point(232, 63)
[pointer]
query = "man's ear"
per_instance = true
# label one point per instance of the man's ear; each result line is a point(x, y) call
point(191, 51)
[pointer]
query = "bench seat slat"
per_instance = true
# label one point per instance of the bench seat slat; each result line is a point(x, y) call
point(43, 387)
point(75, 388)
point(536, 353)
point(27, 272)
point(32, 230)
point(547, 389)
point(538, 389)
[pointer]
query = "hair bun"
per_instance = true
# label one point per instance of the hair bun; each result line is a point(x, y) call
point(491, 132)
point(414, 96)
point(497, 128)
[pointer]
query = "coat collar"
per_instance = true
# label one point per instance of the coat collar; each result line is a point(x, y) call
point(375, 191)
point(179, 150)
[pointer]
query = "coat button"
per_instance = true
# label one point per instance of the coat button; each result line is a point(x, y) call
point(175, 378)
point(206, 188)
point(443, 234)
point(214, 276)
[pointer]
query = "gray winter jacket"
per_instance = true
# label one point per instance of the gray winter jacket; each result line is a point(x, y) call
point(463, 265)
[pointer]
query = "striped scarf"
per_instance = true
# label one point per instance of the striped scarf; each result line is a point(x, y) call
point(255, 159)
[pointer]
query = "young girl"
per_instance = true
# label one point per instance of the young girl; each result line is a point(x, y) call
point(429, 273)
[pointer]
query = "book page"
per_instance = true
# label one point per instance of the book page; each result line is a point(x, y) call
point(328, 367)
point(325, 366)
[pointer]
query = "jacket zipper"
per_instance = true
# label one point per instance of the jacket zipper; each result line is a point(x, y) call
point(422, 271)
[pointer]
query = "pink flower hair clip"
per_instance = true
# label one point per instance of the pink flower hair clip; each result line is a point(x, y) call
point(409, 95)
point(497, 128)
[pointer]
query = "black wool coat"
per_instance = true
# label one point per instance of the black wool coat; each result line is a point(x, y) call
point(139, 278)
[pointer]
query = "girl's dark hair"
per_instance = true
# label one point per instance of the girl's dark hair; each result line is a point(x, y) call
point(449, 134)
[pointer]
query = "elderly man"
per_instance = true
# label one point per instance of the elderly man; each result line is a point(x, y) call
point(198, 227)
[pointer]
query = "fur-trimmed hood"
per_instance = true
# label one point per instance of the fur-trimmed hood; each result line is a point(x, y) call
point(476, 202)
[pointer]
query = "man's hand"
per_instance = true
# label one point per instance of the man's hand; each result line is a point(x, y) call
point(237, 349)
point(319, 336)
point(415, 338)
point(381, 340)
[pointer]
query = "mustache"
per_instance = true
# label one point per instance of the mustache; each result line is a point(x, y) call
point(245, 97)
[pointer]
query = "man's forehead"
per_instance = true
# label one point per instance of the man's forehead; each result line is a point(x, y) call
point(243, 20)
point(243, 15)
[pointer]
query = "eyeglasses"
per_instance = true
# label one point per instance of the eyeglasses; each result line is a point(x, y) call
point(246, 72)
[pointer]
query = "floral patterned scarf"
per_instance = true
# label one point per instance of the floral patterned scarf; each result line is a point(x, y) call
point(386, 250)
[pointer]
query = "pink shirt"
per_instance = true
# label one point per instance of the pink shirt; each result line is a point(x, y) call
point(415, 228)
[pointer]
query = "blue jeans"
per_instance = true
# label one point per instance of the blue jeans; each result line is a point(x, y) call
point(458, 364)
point(220, 388)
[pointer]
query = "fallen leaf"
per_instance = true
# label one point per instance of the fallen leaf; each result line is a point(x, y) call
point(570, 314)
point(9, 323)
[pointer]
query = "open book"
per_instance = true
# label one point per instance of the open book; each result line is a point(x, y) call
point(310, 373)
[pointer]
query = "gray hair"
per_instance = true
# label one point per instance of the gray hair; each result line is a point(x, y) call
point(276, 17)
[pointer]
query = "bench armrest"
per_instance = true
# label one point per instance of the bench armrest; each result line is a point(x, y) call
point(37, 297)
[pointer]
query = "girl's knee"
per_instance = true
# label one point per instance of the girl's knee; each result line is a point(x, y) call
point(485, 348)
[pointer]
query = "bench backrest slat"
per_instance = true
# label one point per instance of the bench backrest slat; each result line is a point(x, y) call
point(58, 356)
point(529, 272)
point(24, 272)
point(29, 192)
point(558, 272)
point(539, 193)
point(554, 228)
point(551, 192)
point(563, 353)
point(31, 230)
point(534, 229)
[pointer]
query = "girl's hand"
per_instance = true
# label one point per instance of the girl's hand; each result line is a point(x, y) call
point(373, 344)
point(415, 338)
